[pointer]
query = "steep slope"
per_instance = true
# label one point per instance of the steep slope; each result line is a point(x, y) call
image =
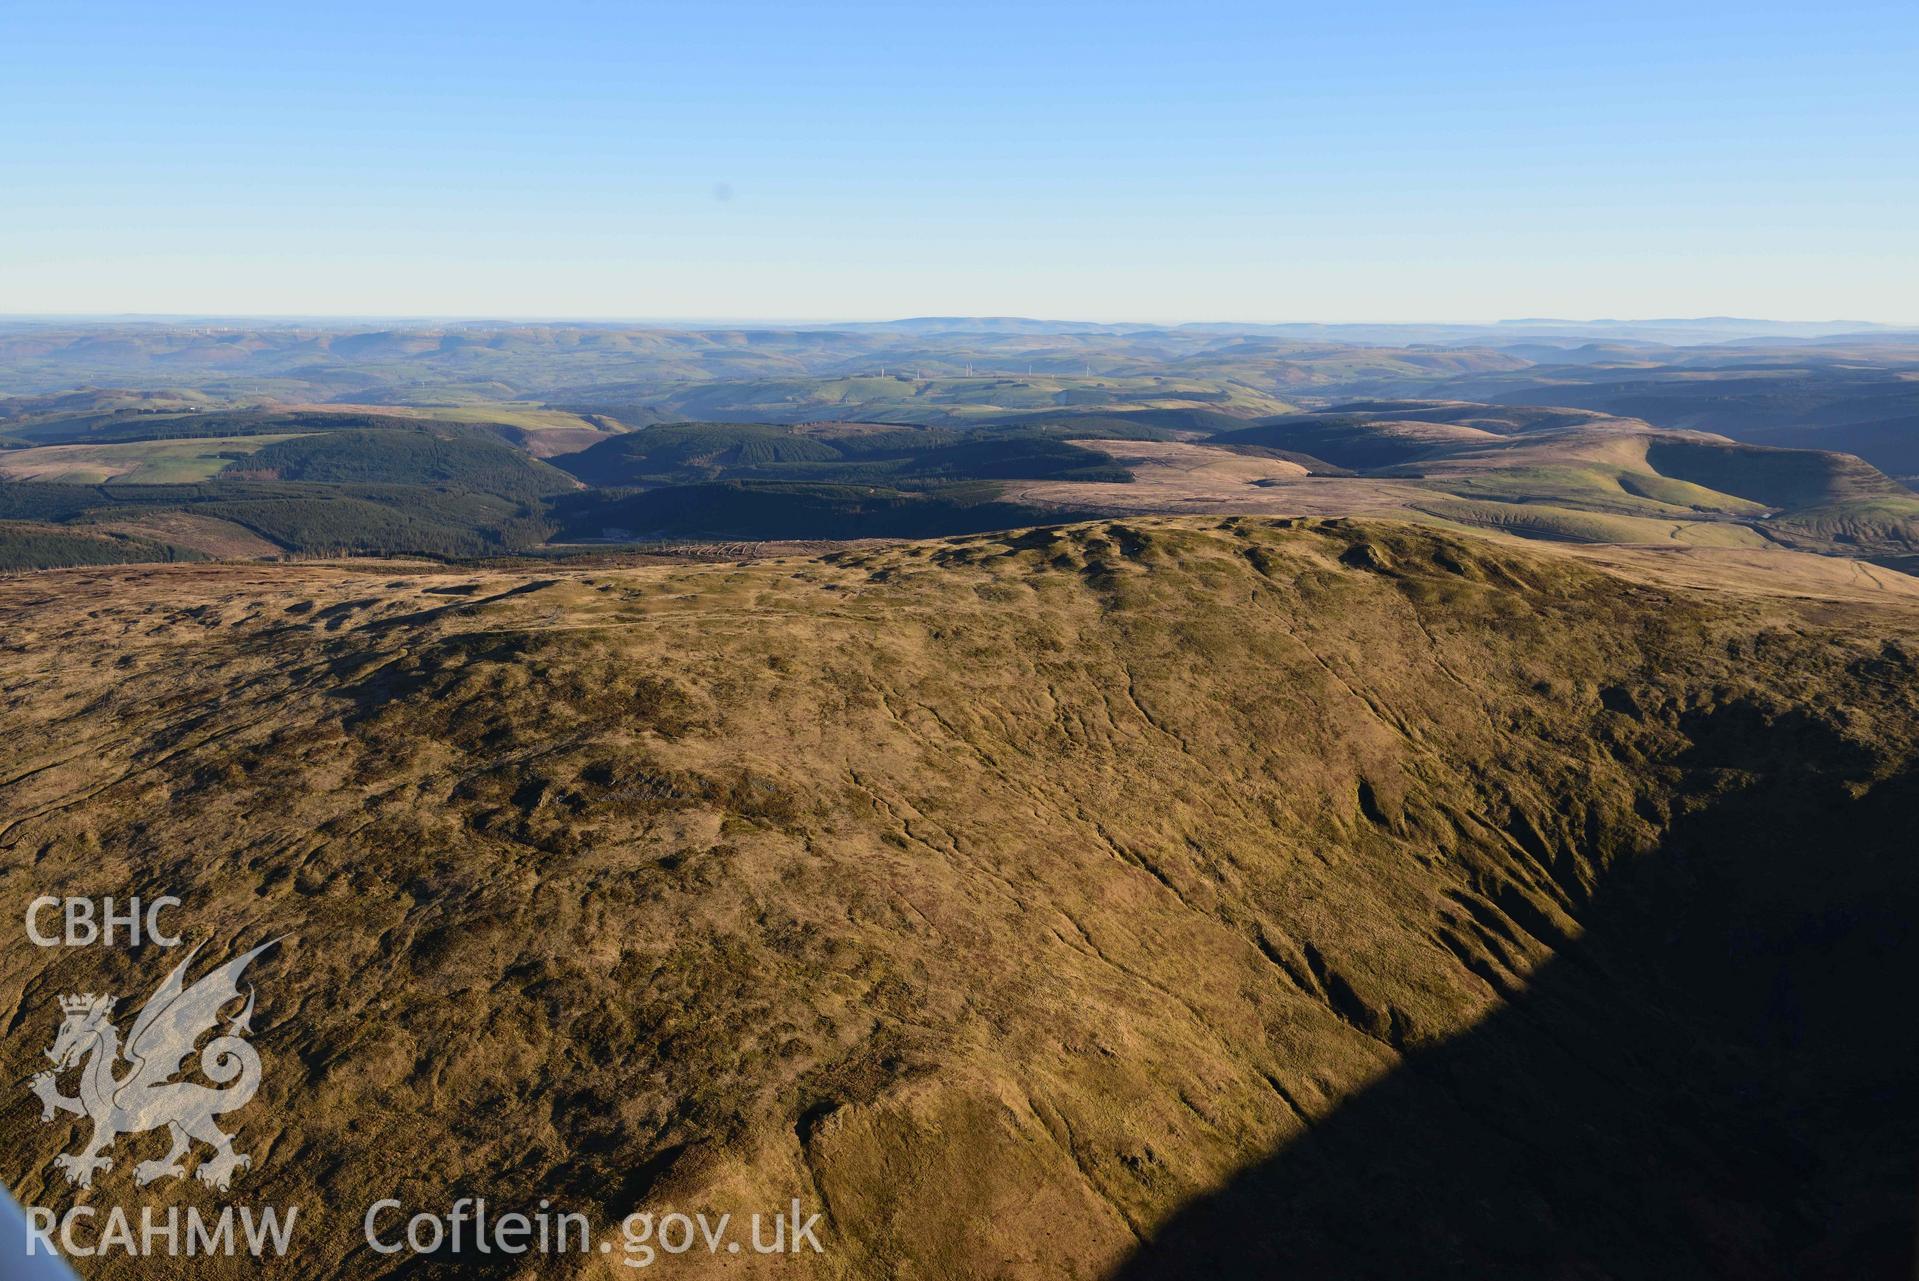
point(1013, 901)
point(1782, 478)
point(1863, 402)
point(1568, 474)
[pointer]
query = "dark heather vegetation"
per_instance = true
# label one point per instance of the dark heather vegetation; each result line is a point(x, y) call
point(1226, 897)
point(118, 427)
point(306, 519)
point(33, 545)
point(385, 521)
point(1347, 441)
point(429, 458)
point(772, 510)
point(704, 451)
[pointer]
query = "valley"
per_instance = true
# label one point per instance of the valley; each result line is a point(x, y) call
point(1060, 642)
point(1223, 823)
point(552, 440)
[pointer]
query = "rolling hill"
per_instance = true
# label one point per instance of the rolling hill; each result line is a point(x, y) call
point(912, 400)
point(427, 457)
point(1867, 405)
point(515, 436)
point(419, 489)
point(1218, 897)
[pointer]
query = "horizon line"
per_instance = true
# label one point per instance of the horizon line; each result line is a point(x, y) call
point(560, 318)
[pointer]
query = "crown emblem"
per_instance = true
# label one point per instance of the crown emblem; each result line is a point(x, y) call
point(85, 1003)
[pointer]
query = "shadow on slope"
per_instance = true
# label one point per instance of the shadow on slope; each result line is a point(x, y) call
point(1714, 1080)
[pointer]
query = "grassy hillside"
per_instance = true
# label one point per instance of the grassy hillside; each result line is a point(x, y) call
point(108, 418)
point(1863, 405)
point(1567, 474)
point(1352, 441)
point(1885, 529)
point(1782, 478)
point(169, 461)
point(1274, 898)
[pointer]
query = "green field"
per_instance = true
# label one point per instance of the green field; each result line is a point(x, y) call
point(146, 462)
point(1612, 490)
point(1571, 525)
point(525, 415)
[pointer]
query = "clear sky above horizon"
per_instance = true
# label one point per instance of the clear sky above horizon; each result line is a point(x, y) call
point(1141, 161)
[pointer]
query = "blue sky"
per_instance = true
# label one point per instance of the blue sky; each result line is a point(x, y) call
point(1158, 161)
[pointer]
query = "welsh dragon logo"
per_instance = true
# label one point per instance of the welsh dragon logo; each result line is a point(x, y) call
point(143, 1098)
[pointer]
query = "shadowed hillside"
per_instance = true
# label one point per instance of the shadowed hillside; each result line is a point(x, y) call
point(1852, 398)
point(1699, 1084)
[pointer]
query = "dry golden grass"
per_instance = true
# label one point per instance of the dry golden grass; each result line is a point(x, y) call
point(998, 895)
point(219, 539)
point(158, 462)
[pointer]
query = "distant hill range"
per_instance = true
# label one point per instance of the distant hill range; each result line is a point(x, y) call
point(1837, 384)
point(179, 483)
point(480, 439)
